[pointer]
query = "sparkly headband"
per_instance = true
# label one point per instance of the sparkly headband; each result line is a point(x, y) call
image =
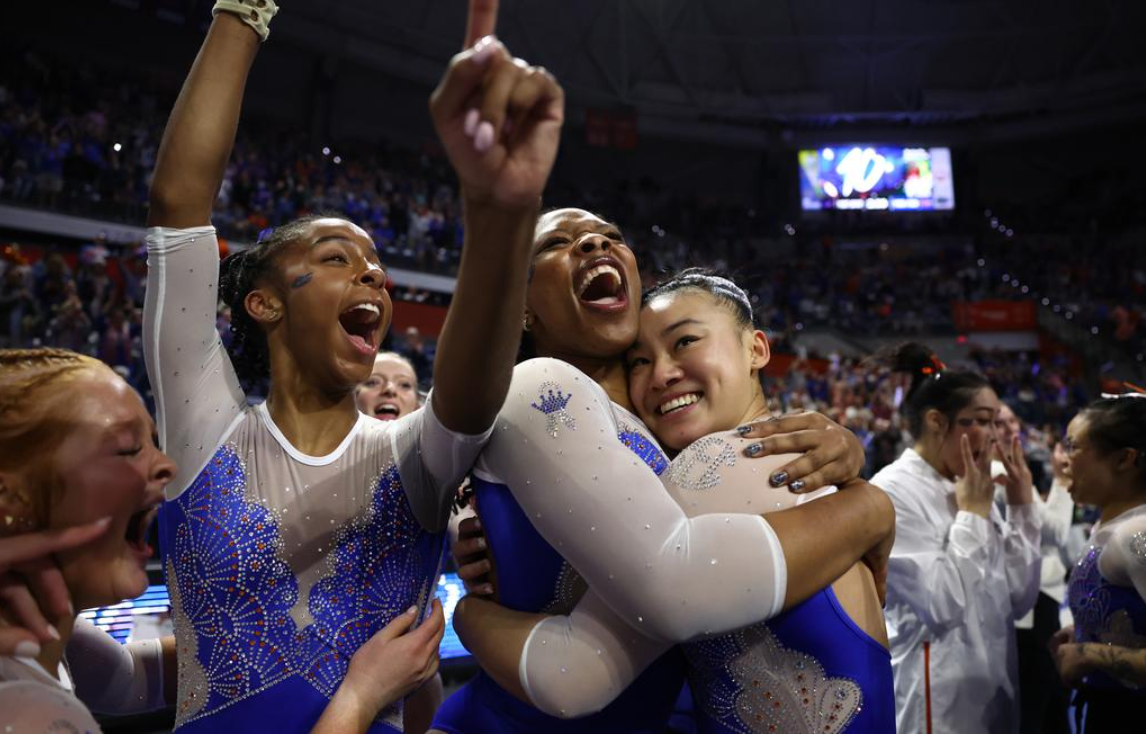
point(721, 285)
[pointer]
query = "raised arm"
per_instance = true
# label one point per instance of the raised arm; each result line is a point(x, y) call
point(197, 393)
point(668, 575)
point(201, 130)
point(502, 168)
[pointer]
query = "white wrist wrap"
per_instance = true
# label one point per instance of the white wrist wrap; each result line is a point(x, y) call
point(255, 13)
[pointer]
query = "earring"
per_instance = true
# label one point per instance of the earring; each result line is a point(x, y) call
point(526, 323)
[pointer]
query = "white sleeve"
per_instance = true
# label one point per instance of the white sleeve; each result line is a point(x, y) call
point(197, 393)
point(1123, 559)
point(432, 461)
point(673, 577)
point(576, 665)
point(933, 572)
point(36, 708)
point(1056, 514)
point(1022, 556)
point(116, 679)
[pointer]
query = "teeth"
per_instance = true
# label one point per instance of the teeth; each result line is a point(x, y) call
point(588, 277)
point(367, 307)
point(677, 403)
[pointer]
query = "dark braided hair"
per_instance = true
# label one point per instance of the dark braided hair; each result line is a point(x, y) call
point(242, 273)
point(1119, 423)
point(730, 295)
point(933, 385)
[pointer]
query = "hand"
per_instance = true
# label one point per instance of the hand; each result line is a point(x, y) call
point(975, 490)
point(1061, 637)
point(831, 453)
point(471, 553)
point(1017, 479)
point(32, 590)
point(498, 118)
point(392, 663)
point(1070, 659)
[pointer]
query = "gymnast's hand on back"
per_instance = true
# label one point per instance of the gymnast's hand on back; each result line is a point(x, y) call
point(831, 453)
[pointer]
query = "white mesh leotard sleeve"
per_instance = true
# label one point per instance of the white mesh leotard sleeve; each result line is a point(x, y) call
point(432, 461)
point(1123, 559)
point(30, 706)
point(576, 665)
point(670, 576)
point(111, 678)
point(197, 394)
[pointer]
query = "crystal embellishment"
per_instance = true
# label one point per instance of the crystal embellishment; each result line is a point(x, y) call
point(553, 402)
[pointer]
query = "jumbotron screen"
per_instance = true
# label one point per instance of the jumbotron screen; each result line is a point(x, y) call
point(876, 178)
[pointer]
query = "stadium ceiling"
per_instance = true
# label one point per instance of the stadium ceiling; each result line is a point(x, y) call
point(705, 68)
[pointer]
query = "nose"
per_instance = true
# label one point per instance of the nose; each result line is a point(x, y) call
point(373, 276)
point(593, 242)
point(666, 373)
point(162, 469)
point(388, 388)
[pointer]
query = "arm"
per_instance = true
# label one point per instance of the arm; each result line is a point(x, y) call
point(1022, 532)
point(668, 575)
point(934, 575)
point(567, 666)
point(117, 679)
point(1123, 559)
point(30, 706)
point(502, 177)
point(1076, 660)
point(197, 393)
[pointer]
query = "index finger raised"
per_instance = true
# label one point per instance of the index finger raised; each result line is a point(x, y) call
point(481, 21)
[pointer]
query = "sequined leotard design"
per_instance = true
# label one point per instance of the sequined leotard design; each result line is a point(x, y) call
point(279, 564)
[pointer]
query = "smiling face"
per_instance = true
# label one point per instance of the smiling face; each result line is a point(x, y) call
point(694, 369)
point(325, 308)
point(106, 465)
point(976, 420)
point(1007, 425)
point(583, 295)
point(391, 391)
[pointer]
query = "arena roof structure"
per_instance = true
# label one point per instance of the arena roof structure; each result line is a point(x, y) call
point(714, 68)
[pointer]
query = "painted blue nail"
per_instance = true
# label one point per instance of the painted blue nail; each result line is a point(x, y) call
point(753, 449)
point(796, 485)
point(743, 429)
point(779, 478)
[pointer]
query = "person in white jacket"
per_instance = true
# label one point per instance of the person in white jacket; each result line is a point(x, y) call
point(960, 572)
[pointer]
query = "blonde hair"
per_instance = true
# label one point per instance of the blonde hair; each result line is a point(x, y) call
point(30, 428)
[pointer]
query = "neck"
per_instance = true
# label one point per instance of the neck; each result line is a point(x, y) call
point(609, 373)
point(314, 422)
point(757, 410)
point(928, 450)
point(1112, 510)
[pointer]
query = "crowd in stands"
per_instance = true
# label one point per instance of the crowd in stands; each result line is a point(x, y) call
point(73, 140)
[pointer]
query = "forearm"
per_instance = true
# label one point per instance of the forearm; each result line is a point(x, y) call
point(201, 130)
point(1127, 664)
point(1023, 556)
point(496, 636)
point(859, 518)
point(479, 341)
point(345, 714)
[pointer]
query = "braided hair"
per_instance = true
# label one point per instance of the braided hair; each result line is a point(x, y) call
point(242, 273)
point(933, 385)
point(1118, 423)
point(727, 293)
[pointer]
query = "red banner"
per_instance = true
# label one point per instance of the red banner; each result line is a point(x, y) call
point(994, 315)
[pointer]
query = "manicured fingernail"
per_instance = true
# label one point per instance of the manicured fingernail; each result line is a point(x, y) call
point(103, 522)
point(477, 523)
point(483, 139)
point(473, 117)
point(412, 610)
point(27, 649)
point(53, 632)
point(481, 543)
point(779, 479)
point(796, 485)
point(483, 50)
point(753, 449)
point(743, 429)
point(486, 588)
